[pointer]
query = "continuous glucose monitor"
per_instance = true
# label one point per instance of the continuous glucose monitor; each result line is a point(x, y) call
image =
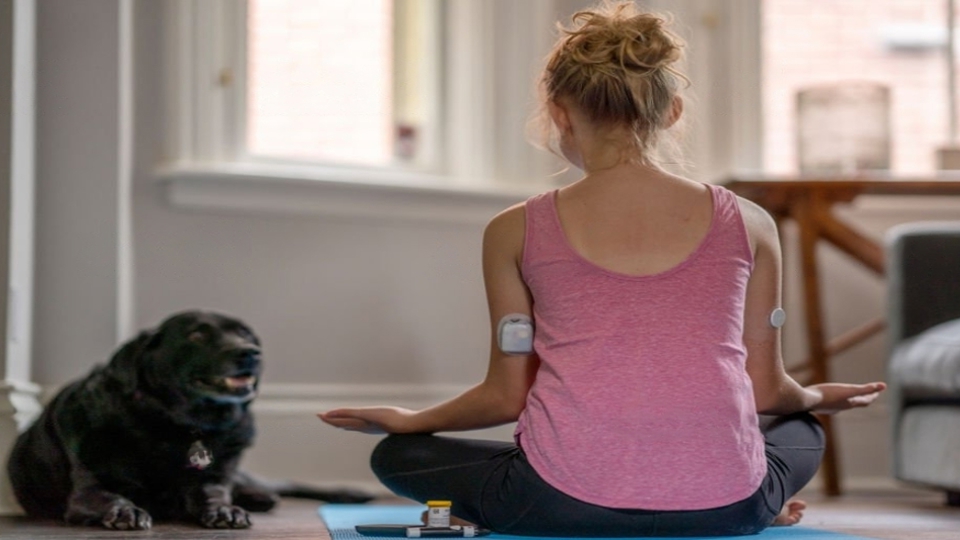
point(515, 334)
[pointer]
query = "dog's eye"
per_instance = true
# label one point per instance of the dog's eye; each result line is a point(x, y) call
point(197, 337)
point(245, 334)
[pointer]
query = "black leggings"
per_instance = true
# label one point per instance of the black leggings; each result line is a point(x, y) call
point(491, 484)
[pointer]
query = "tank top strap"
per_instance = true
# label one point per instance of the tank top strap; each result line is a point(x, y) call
point(543, 236)
point(731, 230)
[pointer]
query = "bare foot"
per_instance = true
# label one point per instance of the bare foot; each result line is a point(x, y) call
point(791, 513)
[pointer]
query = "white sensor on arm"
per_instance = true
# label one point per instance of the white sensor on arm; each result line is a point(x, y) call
point(515, 334)
point(778, 318)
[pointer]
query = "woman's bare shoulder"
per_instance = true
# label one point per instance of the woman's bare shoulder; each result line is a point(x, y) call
point(506, 229)
point(760, 225)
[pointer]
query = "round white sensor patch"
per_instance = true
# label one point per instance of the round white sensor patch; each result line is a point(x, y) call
point(778, 317)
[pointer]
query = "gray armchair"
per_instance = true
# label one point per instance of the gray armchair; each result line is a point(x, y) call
point(924, 364)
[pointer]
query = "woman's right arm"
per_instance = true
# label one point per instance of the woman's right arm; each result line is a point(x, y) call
point(775, 391)
point(501, 396)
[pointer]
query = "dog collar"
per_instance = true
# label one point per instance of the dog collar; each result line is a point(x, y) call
point(199, 456)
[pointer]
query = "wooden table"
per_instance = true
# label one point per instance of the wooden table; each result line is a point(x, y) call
point(810, 204)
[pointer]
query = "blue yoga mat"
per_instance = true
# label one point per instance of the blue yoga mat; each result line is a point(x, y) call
point(342, 518)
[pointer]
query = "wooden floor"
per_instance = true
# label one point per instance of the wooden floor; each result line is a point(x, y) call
point(885, 514)
point(901, 514)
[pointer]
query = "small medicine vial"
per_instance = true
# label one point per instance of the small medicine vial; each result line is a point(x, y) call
point(438, 513)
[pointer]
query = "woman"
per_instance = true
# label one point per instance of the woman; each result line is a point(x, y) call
point(655, 301)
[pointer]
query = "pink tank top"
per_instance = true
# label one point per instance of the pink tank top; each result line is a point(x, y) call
point(642, 399)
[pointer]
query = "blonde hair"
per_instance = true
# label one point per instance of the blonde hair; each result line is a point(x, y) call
point(616, 64)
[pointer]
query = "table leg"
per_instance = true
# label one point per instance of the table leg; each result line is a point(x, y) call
point(806, 217)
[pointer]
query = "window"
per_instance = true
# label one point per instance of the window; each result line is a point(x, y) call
point(329, 82)
point(896, 44)
point(432, 93)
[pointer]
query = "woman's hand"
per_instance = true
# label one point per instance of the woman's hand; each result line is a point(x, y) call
point(836, 397)
point(373, 420)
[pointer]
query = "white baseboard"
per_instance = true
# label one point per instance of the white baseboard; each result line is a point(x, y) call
point(296, 397)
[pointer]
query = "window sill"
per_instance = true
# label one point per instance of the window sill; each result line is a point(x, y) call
point(344, 193)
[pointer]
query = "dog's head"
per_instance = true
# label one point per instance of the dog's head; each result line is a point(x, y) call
point(192, 357)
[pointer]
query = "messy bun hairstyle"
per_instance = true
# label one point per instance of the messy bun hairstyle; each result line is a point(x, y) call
point(616, 64)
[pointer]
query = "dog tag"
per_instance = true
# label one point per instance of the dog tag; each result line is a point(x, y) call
point(199, 456)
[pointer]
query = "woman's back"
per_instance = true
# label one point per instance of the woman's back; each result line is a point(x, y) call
point(641, 372)
point(634, 220)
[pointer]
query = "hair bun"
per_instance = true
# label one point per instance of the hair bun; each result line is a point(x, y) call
point(618, 34)
point(616, 65)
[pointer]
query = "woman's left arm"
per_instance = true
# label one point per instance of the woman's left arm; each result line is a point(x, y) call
point(775, 391)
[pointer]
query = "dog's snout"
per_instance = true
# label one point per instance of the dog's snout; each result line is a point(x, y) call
point(248, 358)
point(249, 350)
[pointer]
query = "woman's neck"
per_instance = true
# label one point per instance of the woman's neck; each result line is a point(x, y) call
point(635, 167)
point(604, 153)
point(628, 177)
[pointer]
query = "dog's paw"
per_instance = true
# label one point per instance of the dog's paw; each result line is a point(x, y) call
point(117, 514)
point(124, 516)
point(225, 517)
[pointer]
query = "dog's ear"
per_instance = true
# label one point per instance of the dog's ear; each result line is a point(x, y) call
point(123, 369)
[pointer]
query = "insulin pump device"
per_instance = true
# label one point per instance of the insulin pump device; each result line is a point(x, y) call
point(515, 334)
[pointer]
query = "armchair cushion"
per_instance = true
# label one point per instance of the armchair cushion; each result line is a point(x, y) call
point(928, 443)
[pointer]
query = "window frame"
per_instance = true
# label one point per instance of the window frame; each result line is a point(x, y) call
point(428, 161)
point(203, 121)
point(205, 109)
point(725, 116)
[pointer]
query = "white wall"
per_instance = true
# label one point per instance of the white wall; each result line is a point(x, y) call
point(351, 310)
point(78, 186)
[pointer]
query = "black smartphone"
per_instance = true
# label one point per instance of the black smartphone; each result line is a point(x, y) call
point(420, 531)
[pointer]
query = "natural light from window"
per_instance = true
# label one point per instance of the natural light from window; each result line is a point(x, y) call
point(320, 81)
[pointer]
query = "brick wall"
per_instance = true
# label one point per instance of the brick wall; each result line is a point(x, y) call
point(813, 42)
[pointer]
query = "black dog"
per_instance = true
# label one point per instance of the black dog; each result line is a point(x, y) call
point(158, 432)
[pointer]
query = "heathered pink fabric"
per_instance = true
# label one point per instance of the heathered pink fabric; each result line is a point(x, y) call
point(642, 399)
